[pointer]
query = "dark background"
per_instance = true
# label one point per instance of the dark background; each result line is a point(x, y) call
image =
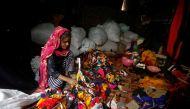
point(18, 17)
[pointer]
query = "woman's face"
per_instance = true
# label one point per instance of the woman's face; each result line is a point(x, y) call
point(65, 42)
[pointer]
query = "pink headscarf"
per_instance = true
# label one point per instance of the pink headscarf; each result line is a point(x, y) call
point(51, 45)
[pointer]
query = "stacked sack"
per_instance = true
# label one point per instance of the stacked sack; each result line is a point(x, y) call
point(110, 37)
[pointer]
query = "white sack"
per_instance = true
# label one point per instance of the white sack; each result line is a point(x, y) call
point(14, 99)
point(98, 35)
point(113, 31)
point(75, 51)
point(129, 35)
point(125, 41)
point(78, 34)
point(109, 46)
point(35, 65)
point(124, 27)
point(140, 40)
point(87, 44)
point(41, 33)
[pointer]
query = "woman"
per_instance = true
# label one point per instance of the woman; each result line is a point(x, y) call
point(56, 60)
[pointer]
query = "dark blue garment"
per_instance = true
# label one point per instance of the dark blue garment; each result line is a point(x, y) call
point(59, 65)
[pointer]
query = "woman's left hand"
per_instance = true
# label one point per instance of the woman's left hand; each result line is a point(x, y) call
point(72, 82)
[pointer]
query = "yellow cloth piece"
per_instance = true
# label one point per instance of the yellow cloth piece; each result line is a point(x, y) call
point(104, 87)
point(80, 76)
point(40, 101)
point(149, 58)
point(153, 82)
point(110, 77)
point(87, 99)
point(57, 96)
point(80, 94)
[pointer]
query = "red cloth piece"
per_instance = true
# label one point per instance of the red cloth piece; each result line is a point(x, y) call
point(176, 23)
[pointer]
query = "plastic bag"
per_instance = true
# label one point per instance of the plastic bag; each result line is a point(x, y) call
point(14, 99)
point(35, 65)
point(98, 35)
point(78, 34)
point(75, 51)
point(87, 44)
point(41, 33)
point(124, 27)
point(110, 46)
point(113, 31)
point(129, 35)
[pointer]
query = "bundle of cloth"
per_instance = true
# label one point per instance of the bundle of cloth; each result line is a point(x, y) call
point(96, 79)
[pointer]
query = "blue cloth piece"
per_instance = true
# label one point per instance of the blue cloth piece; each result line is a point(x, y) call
point(138, 99)
point(98, 81)
point(160, 102)
point(148, 102)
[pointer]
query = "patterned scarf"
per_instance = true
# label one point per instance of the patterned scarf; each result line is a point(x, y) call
point(52, 44)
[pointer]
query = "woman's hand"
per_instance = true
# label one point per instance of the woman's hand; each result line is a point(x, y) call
point(72, 82)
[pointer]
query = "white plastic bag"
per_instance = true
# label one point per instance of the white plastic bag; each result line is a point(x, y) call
point(98, 35)
point(129, 35)
point(78, 34)
point(124, 27)
point(113, 31)
point(87, 44)
point(75, 51)
point(109, 46)
point(35, 65)
point(125, 41)
point(14, 99)
point(41, 33)
point(140, 40)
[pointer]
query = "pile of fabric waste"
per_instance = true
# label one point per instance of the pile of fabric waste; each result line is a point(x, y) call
point(96, 79)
